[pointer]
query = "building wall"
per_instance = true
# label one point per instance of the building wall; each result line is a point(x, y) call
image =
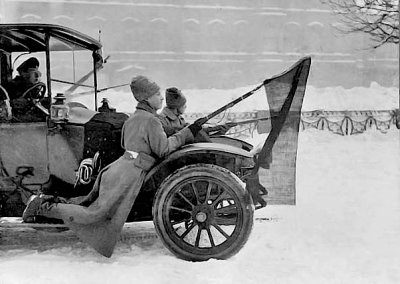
point(209, 44)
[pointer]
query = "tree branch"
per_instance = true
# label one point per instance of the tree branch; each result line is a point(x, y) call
point(377, 18)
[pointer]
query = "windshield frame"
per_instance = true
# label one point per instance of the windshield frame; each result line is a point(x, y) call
point(32, 38)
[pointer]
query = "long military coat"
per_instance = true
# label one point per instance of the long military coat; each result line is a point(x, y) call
point(118, 185)
point(171, 122)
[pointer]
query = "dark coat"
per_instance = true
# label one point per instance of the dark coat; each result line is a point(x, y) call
point(118, 185)
point(16, 87)
point(22, 109)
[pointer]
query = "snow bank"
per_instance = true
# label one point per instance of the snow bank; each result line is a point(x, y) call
point(375, 97)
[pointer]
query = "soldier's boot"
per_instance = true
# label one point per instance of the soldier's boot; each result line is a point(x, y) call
point(34, 207)
point(31, 209)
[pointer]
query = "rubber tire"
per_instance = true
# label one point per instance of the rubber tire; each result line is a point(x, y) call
point(231, 184)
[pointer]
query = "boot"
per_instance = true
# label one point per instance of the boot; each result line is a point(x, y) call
point(32, 209)
point(37, 205)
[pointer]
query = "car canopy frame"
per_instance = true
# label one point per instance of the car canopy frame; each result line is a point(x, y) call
point(34, 37)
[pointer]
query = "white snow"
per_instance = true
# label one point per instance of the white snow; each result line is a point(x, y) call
point(345, 227)
point(375, 97)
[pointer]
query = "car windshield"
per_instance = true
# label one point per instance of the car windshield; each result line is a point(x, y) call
point(71, 72)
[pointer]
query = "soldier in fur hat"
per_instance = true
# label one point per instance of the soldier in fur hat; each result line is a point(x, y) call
point(172, 120)
point(118, 184)
point(171, 115)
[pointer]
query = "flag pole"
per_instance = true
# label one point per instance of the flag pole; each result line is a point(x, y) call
point(204, 119)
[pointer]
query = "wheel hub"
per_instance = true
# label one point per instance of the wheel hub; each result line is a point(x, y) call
point(201, 217)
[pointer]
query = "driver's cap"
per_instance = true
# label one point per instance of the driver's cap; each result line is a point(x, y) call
point(27, 64)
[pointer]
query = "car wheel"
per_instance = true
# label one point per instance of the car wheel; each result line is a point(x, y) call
point(203, 211)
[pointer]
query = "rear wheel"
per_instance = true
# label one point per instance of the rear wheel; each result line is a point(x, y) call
point(202, 211)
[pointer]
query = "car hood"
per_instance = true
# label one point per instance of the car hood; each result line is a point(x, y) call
point(80, 115)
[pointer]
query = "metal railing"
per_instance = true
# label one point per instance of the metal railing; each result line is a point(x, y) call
point(349, 122)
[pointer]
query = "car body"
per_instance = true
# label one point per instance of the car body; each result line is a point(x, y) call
point(213, 187)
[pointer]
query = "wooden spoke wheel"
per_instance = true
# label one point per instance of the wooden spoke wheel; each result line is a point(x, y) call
point(202, 211)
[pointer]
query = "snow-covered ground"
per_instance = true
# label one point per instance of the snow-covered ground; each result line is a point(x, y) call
point(345, 227)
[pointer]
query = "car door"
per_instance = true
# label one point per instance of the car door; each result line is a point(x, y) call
point(25, 144)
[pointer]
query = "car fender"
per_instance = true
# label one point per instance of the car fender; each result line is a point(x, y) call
point(200, 148)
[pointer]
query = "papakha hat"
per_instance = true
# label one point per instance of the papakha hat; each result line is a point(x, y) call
point(29, 63)
point(174, 98)
point(143, 88)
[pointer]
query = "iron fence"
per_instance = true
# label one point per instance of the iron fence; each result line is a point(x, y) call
point(343, 123)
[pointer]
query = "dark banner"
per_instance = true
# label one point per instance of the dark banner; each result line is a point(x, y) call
point(277, 159)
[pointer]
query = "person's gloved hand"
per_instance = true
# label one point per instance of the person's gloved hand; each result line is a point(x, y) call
point(222, 129)
point(195, 128)
point(200, 121)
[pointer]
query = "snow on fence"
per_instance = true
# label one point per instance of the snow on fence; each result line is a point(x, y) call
point(338, 122)
point(349, 122)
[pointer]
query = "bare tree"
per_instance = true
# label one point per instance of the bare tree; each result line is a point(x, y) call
point(377, 18)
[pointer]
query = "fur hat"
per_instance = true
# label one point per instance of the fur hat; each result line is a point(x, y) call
point(29, 63)
point(174, 98)
point(143, 88)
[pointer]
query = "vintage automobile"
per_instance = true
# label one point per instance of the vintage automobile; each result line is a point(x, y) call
point(201, 197)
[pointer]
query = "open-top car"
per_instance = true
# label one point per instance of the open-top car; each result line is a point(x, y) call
point(201, 197)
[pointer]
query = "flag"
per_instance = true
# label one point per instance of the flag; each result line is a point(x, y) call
point(276, 162)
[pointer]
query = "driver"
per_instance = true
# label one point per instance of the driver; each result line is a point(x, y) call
point(28, 76)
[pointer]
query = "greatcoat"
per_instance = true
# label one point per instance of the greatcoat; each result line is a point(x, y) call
point(118, 184)
point(171, 122)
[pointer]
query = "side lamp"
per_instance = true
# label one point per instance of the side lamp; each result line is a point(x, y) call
point(59, 111)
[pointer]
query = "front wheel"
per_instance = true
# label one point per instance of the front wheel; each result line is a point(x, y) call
point(202, 211)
